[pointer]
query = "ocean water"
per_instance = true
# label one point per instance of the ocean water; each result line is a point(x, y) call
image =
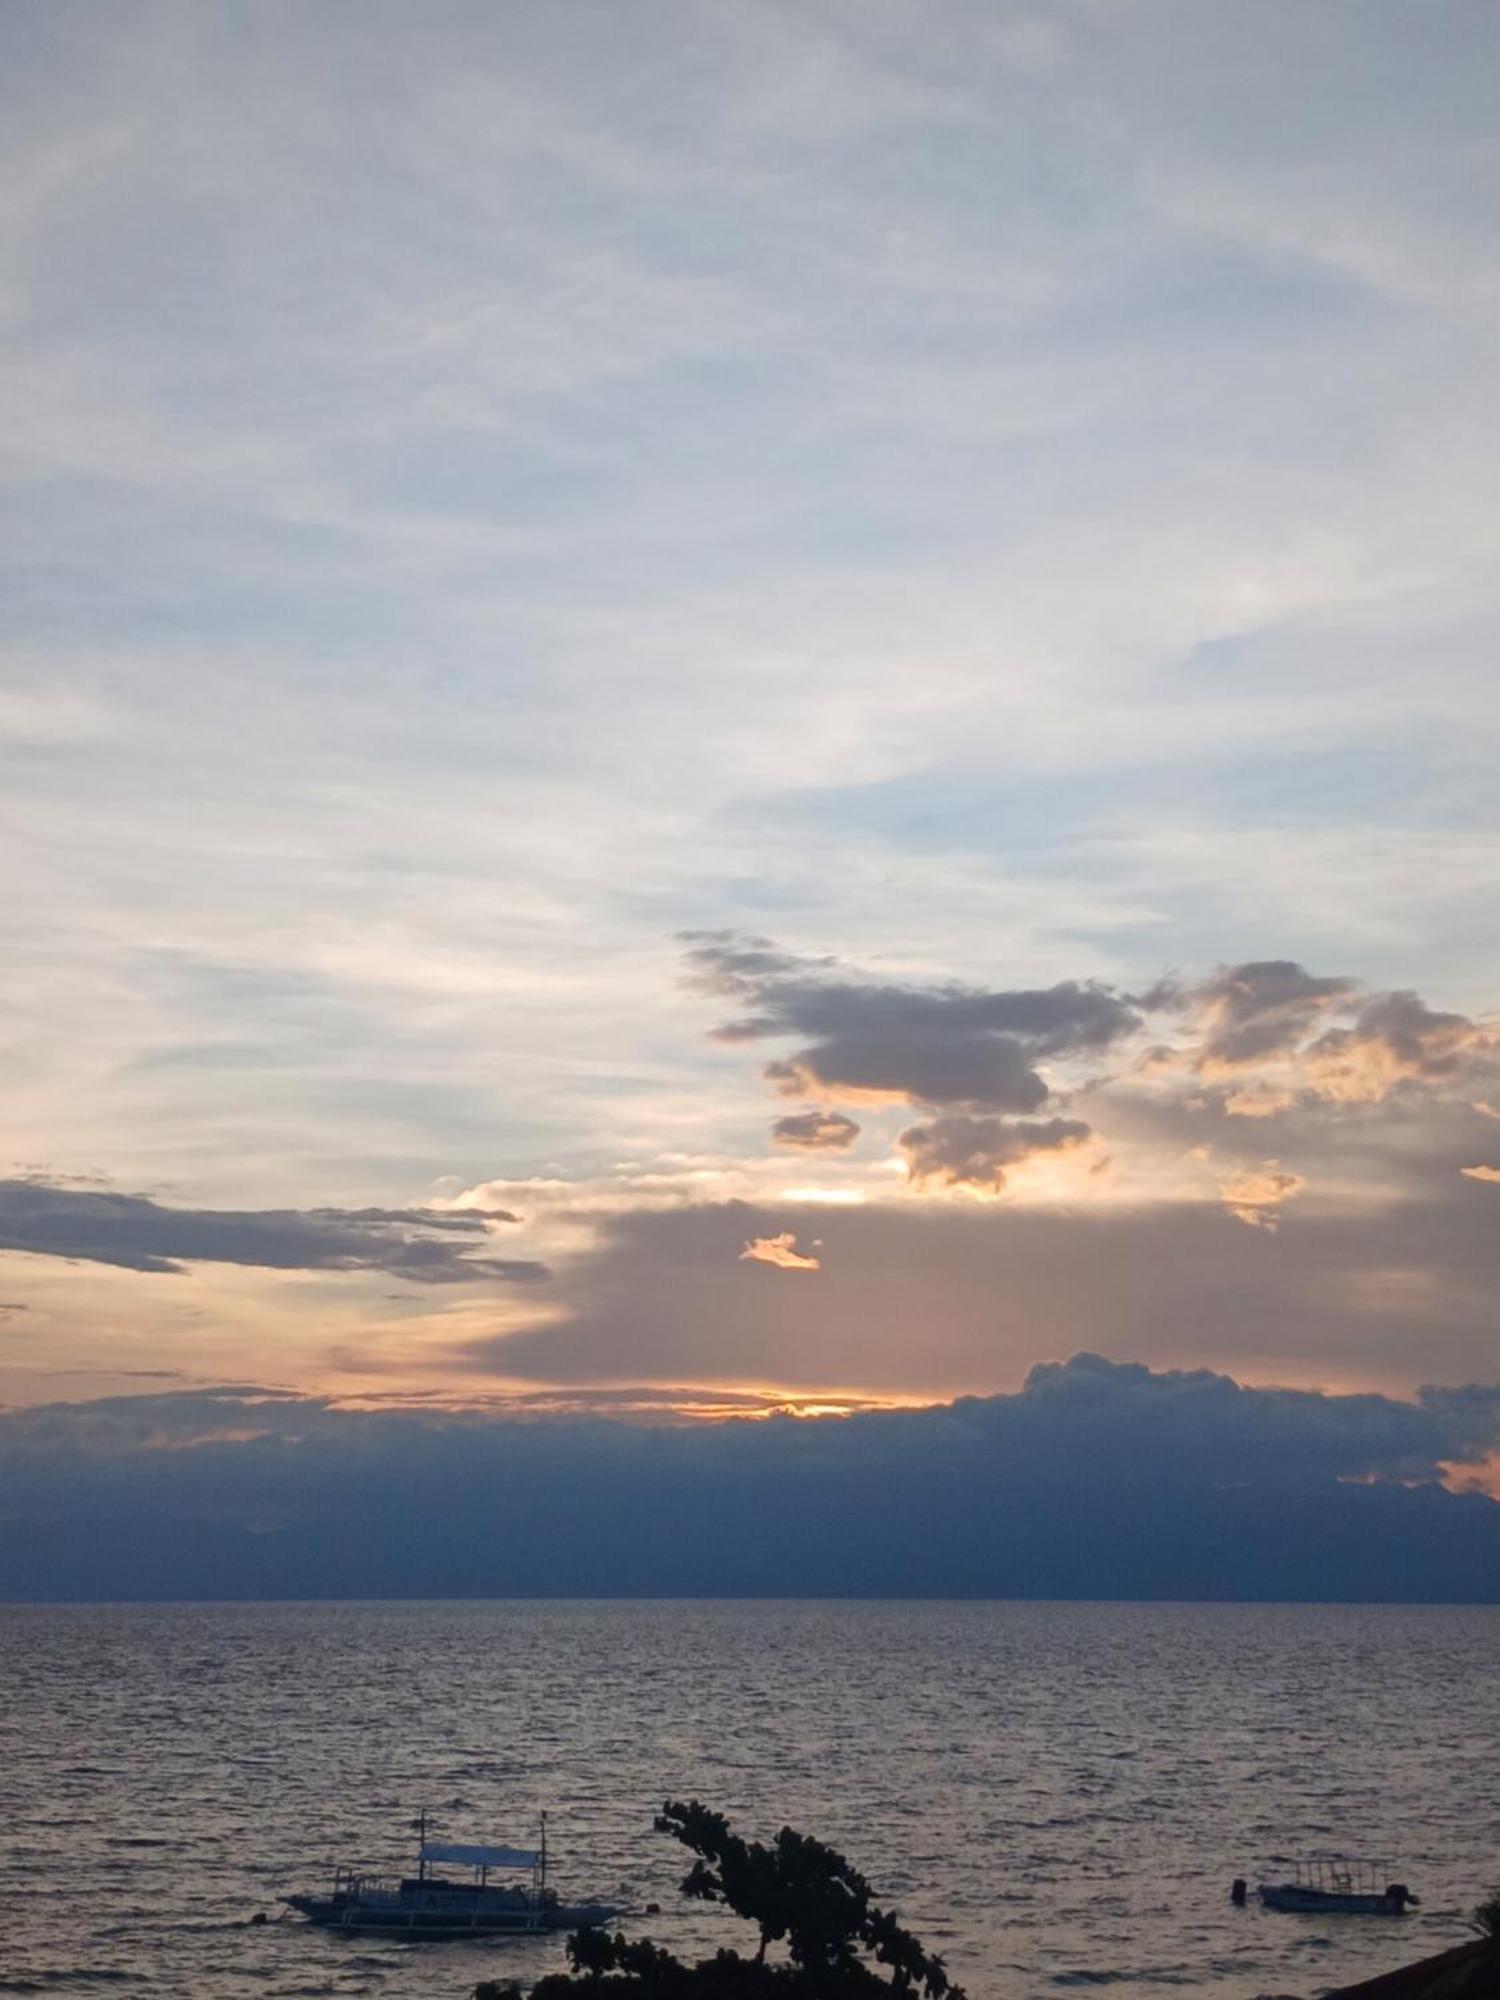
point(1056, 1796)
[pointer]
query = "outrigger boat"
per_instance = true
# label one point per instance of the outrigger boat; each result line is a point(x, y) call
point(1339, 1885)
point(433, 1905)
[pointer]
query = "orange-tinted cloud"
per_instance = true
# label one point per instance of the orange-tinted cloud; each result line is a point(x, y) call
point(781, 1251)
point(1395, 1039)
point(1258, 1100)
point(1254, 1196)
point(1249, 1013)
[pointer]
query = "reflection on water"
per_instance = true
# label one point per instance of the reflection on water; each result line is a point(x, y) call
point(1056, 1796)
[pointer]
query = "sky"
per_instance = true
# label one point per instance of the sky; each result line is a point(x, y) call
point(719, 708)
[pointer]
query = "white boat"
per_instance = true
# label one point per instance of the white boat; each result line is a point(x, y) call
point(1339, 1885)
point(503, 1889)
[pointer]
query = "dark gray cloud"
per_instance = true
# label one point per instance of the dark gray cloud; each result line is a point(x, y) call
point(937, 1045)
point(1098, 1478)
point(816, 1131)
point(975, 1152)
point(1261, 1008)
point(917, 1066)
point(422, 1246)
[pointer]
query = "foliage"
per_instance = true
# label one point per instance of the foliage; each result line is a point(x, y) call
point(1487, 1916)
point(799, 1894)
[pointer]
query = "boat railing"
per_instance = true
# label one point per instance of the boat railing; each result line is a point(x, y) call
point(380, 1889)
point(1344, 1874)
point(396, 1892)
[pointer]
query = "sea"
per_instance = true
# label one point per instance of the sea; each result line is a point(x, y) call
point(1055, 1796)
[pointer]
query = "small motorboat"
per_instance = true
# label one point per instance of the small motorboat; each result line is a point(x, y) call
point(1339, 1885)
point(504, 1889)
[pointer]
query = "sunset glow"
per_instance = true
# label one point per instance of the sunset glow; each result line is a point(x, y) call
point(752, 711)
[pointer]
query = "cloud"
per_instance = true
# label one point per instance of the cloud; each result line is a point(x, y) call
point(779, 1250)
point(1096, 1478)
point(1313, 1053)
point(1262, 1008)
point(1394, 1039)
point(888, 385)
point(1481, 1173)
point(873, 1039)
point(422, 1246)
point(976, 1152)
point(1275, 1017)
point(937, 1297)
point(1083, 1419)
point(816, 1131)
point(1258, 1101)
point(1254, 1196)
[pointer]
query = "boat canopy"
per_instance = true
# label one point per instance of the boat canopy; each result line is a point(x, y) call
point(479, 1857)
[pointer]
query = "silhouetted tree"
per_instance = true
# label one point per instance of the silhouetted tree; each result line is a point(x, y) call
point(839, 1945)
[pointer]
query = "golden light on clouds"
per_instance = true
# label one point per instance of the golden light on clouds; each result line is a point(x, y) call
point(1262, 1100)
point(780, 1251)
point(1483, 1478)
point(1254, 1196)
point(835, 1197)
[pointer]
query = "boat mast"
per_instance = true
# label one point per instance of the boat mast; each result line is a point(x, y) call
point(422, 1845)
point(543, 1884)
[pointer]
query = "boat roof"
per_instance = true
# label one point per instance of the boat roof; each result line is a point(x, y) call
point(479, 1857)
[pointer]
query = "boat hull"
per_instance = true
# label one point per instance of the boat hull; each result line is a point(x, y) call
point(1300, 1901)
point(418, 1920)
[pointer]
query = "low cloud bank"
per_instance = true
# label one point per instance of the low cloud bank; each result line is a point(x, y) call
point(1097, 1479)
point(951, 1295)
